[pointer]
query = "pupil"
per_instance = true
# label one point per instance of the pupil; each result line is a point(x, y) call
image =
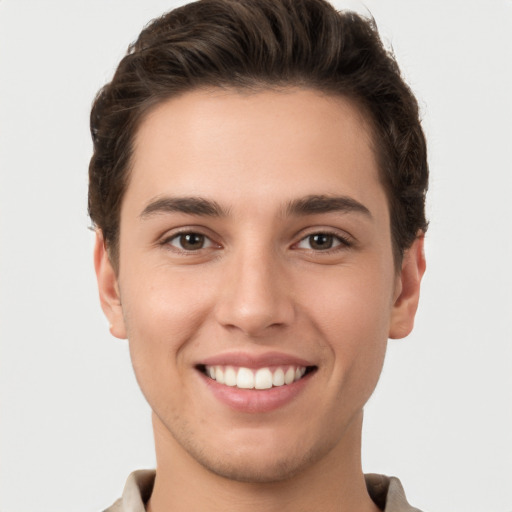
point(192, 241)
point(321, 241)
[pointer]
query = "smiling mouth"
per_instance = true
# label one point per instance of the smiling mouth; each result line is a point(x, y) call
point(261, 378)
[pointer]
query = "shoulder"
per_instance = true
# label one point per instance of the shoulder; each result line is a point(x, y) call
point(116, 507)
point(137, 491)
point(388, 494)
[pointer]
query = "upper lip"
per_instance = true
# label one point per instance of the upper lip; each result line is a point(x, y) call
point(247, 360)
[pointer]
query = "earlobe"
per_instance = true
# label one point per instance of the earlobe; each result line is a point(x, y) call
point(108, 288)
point(408, 290)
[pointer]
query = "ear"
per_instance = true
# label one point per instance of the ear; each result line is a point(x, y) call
point(108, 288)
point(407, 290)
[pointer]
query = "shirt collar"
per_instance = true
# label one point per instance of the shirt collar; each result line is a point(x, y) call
point(387, 493)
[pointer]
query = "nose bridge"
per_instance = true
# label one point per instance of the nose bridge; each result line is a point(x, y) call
point(255, 295)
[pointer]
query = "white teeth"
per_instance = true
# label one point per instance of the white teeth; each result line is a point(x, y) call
point(289, 376)
point(263, 378)
point(230, 376)
point(219, 374)
point(278, 377)
point(245, 379)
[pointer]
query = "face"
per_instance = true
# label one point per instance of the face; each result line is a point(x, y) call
point(256, 282)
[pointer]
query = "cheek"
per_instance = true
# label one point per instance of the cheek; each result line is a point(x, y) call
point(162, 314)
point(358, 301)
point(353, 316)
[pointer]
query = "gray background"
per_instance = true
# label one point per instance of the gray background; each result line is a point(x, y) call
point(73, 423)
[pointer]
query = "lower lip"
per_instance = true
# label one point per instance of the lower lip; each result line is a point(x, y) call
point(256, 400)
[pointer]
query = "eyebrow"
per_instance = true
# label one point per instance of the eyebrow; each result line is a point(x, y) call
point(190, 205)
point(316, 204)
point(308, 205)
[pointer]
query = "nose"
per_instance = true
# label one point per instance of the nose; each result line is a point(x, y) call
point(256, 295)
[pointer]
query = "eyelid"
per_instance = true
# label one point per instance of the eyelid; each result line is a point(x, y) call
point(185, 230)
point(208, 242)
point(344, 240)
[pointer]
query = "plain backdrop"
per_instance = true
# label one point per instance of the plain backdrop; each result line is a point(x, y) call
point(73, 423)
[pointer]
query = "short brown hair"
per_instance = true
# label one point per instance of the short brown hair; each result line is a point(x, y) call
point(255, 44)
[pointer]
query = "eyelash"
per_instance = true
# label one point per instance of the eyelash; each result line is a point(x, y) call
point(176, 236)
point(342, 242)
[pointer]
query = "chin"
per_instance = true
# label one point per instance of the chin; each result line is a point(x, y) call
point(258, 459)
point(256, 469)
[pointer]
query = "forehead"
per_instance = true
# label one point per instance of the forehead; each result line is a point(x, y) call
point(264, 146)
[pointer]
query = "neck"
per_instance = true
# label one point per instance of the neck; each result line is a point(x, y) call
point(333, 483)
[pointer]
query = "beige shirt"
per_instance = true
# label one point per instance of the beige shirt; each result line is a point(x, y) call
point(387, 493)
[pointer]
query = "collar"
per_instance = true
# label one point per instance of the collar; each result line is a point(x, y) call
point(387, 493)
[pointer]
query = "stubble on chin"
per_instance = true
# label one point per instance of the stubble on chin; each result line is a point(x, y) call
point(244, 464)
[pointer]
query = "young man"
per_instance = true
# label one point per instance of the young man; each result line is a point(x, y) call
point(258, 185)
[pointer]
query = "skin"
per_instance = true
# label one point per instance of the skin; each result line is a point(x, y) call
point(259, 284)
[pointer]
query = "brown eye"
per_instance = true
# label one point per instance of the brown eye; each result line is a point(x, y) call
point(190, 241)
point(323, 242)
point(320, 241)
